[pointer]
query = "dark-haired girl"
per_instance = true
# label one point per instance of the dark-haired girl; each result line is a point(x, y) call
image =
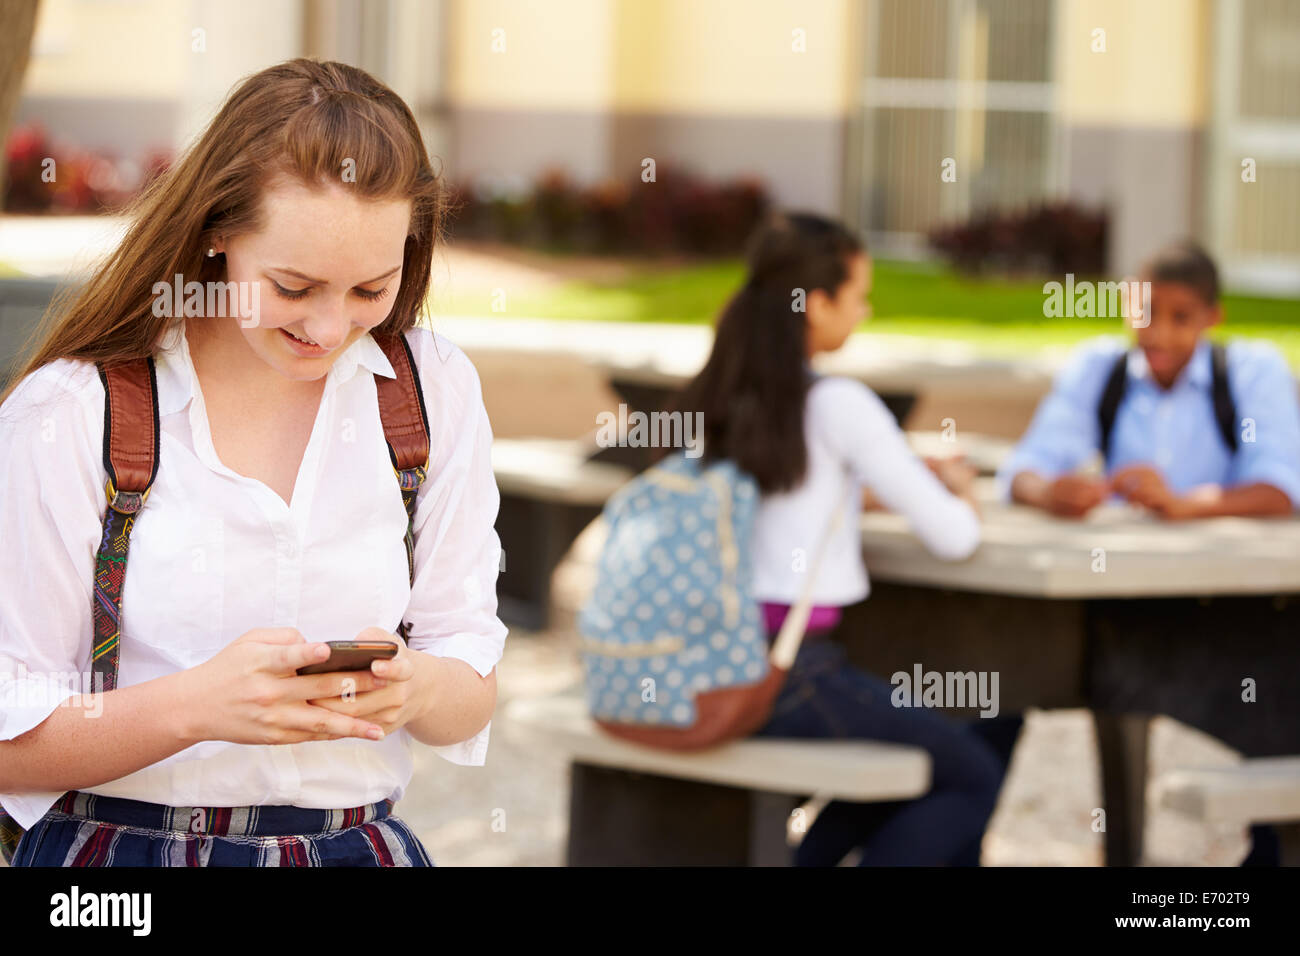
point(810, 440)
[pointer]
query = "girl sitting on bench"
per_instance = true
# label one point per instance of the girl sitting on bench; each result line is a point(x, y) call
point(797, 433)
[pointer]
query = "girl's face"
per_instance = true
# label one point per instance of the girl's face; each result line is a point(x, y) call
point(328, 264)
point(831, 319)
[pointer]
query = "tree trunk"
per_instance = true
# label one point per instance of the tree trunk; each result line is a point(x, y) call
point(17, 24)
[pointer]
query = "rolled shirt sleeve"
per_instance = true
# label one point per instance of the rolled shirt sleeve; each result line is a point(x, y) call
point(51, 508)
point(1268, 412)
point(453, 607)
point(1064, 433)
point(864, 433)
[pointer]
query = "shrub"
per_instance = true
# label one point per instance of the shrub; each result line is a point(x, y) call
point(1049, 239)
point(83, 181)
point(679, 212)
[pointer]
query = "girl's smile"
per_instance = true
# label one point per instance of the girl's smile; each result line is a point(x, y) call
point(302, 347)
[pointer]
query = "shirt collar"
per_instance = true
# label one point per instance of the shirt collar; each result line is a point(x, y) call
point(177, 378)
point(1197, 372)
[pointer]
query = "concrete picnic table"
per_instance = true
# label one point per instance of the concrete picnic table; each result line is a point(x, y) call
point(552, 488)
point(1120, 612)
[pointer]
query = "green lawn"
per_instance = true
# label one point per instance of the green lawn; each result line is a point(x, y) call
point(995, 314)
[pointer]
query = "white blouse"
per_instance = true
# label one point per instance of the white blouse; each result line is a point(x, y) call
point(215, 554)
point(853, 441)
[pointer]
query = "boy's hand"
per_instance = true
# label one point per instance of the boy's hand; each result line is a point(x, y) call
point(1073, 496)
point(1143, 485)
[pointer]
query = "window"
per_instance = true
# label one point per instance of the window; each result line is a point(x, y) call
point(1256, 131)
point(969, 80)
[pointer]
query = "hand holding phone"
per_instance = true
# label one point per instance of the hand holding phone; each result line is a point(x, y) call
point(352, 656)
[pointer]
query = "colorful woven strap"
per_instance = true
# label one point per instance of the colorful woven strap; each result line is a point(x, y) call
point(10, 834)
point(409, 480)
point(110, 573)
point(131, 443)
point(106, 611)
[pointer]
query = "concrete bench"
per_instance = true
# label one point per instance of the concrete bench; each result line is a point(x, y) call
point(634, 805)
point(1260, 790)
point(550, 491)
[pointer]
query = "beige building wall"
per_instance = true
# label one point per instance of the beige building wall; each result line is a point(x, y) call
point(737, 57)
point(726, 88)
point(1155, 68)
point(1134, 117)
point(95, 50)
point(508, 89)
point(131, 77)
point(511, 55)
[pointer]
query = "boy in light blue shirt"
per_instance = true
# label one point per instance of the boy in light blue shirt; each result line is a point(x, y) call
point(1187, 429)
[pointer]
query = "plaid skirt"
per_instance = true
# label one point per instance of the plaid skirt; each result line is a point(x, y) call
point(86, 829)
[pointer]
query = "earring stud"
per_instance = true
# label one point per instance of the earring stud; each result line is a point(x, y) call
point(211, 252)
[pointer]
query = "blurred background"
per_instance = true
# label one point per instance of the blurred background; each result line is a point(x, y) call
point(981, 147)
point(1130, 120)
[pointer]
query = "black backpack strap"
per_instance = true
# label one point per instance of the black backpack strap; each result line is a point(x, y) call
point(1108, 407)
point(1225, 410)
point(406, 430)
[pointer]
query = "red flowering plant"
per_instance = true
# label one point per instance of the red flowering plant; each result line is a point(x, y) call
point(47, 176)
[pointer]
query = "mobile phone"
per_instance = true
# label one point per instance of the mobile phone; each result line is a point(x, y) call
point(352, 656)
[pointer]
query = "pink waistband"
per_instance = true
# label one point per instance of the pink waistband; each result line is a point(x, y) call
point(821, 617)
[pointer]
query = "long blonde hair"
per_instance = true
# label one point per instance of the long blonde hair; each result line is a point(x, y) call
point(305, 118)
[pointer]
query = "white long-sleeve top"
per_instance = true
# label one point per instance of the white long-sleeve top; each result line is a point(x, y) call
point(853, 442)
point(214, 554)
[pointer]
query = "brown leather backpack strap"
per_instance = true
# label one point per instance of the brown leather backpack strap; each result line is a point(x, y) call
point(401, 406)
point(406, 429)
point(131, 445)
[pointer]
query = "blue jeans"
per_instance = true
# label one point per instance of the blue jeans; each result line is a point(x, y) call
point(826, 697)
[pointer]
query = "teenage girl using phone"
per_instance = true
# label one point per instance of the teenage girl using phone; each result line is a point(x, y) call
point(275, 522)
point(808, 440)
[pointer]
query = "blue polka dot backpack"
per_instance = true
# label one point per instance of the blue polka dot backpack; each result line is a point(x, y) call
point(673, 645)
